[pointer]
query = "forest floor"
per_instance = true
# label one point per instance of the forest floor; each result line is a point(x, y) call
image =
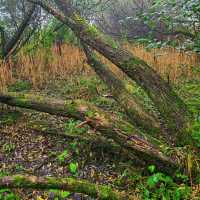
point(36, 143)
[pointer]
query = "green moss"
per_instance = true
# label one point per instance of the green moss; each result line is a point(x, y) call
point(92, 29)
point(71, 128)
point(131, 62)
point(19, 180)
point(54, 182)
point(80, 20)
point(126, 127)
point(85, 187)
point(22, 102)
point(109, 40)
point(129, 87)
point(71, 108)
point(90, 114)
point(89, 28)
point(8, 148)
point(106, 193)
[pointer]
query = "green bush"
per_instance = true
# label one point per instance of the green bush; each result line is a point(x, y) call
point(9, 118)
point(19, 86)
point(162, 186)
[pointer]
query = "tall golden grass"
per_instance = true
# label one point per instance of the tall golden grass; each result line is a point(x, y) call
point(169, 62)
point(6, 76)
point(47, 65)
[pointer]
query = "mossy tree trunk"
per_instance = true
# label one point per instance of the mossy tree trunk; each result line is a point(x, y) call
point(3, 41)
point(67, 184)
point(147, 148)
point(172, 108)
point(136, 111)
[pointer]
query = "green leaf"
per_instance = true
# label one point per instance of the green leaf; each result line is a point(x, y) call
point(61, 158)
point(73, 167)
point(64, 194)
point(152, 168)
point(154, 179)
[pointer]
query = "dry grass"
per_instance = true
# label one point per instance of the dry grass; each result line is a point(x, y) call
point(45, 66)
point(169, 62)
point(6, 76)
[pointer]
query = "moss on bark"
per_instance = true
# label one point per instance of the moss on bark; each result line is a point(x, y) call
point(69, 184)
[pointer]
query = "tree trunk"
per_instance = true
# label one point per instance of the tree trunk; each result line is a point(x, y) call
point(67, 184)
point(135, 110)
point(3, 41)
point(8, 47)
point(97, 141)
point(171, 107)
point(109, 125)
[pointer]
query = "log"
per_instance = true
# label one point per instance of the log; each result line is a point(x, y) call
point(96, 141)
point(109, 125)
point(137, 112)
point(67, 184)
point(172, 108)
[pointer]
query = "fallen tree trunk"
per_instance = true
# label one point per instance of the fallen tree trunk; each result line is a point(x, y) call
point(171, 107)
point(95, 140)
point(136, 111)
point(68, 184)
point(109, 125)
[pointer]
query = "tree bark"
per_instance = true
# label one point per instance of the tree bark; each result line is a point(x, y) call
point(171, 107)
point(3, 41)
point(94, 139)
point(135, 110)
point(68, 184)
point(109, 125)
point(8, 47)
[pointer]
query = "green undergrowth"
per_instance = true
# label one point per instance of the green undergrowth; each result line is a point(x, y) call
point(190, 93)
point(7, 194)
point(20, 86)
point(156, 185)
point(88, 88)
point(75, 87)
point(153, 186)
point(161, 186)
point(73, 127)
point(9, 117)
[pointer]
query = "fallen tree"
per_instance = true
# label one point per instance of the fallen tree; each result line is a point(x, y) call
point(173, 110)
point(136, 111)
point(68, 184)
point(94, 139)
point(109, 125)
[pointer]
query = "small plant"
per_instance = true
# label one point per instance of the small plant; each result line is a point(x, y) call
point(19, 167)
point(127, 177)
point(9, 118)
point(151, 168)
point(19, 86)
point(8, 148)
point(195, 130)
point(6, 194)
point(90, 84)
point(74, 147)
point(73, 167)
point(58, 194)
point(62, 157)
point(161, 186)
point(72, 127)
